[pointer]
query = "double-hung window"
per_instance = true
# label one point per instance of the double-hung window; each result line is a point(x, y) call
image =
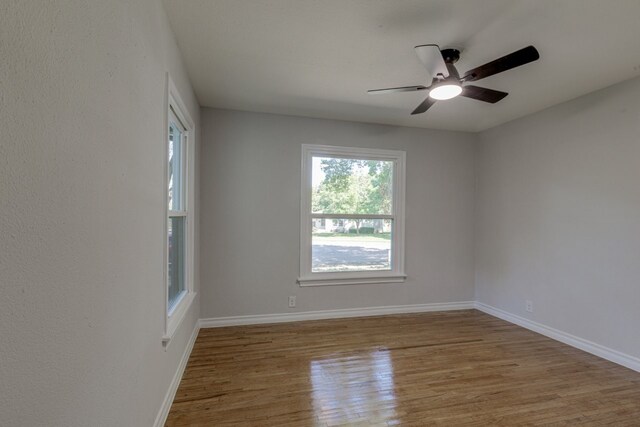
point(179, 290)
point(352, 216)
point(177, 210)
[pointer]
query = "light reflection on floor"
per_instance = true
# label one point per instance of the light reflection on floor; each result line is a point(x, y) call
point(355, 388)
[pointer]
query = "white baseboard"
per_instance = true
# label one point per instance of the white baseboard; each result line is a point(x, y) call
point(175, 382)
point(218, 322)
point(611, 355)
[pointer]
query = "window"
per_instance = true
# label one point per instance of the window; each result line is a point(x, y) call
point(179, 217)
point(177, 210)
point(352, 212)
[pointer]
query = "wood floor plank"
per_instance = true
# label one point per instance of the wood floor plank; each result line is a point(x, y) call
point(460, 368)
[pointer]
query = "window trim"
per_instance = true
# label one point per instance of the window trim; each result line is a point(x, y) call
point(173, 316)
point(396, 274)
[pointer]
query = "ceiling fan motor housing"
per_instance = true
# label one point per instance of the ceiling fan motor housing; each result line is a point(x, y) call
point(451, 55)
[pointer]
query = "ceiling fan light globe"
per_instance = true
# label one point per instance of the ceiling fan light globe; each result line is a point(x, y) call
point(446, 91)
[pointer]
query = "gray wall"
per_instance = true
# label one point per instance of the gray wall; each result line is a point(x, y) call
point(250, 207)
point(82, 220)
point(558, 217)
point(82, 92)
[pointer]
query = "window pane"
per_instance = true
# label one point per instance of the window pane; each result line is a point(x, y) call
point(350, 245)
point(175, 167)
point(176, 258)
point(351, 186)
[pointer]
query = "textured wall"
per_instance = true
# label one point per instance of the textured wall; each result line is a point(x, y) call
point(558, 217)
point(250, 207)
point(82, 91)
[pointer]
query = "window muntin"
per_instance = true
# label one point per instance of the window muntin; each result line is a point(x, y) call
point(352, 215)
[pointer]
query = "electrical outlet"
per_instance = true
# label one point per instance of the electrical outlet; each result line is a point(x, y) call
point(529, 306)
point(292, 301)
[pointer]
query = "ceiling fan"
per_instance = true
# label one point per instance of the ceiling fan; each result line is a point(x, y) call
point(446, 82)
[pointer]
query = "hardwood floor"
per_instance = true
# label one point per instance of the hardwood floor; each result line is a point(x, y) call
point(448, 369)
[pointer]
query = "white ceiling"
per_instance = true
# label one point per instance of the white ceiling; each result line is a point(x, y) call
point(318, 58)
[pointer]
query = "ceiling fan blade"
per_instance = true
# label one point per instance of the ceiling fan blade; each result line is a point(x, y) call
point(426, 104)
point(483, 94)
point(513, 60)
point(431, 57)
point(396, 89)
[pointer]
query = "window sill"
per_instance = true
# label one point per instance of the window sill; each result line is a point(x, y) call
point(337, 281)
point(177, 315)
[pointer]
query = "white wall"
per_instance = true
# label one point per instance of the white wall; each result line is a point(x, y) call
point(250, 207)
point(558, 217)
point(82, 90)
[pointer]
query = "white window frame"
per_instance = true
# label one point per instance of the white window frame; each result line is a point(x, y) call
point(396, 274)
point(174, 315)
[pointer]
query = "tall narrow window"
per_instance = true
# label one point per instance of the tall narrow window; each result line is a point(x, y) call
point(351, 216)
point(179, 231)
point(176, 235)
